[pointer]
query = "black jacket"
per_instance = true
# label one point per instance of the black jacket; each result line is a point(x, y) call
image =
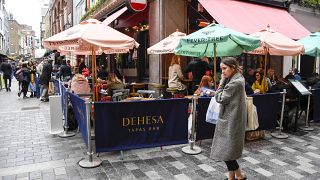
point(198, 69)
point(65, 71)
point(46, 74)
point(6, 69)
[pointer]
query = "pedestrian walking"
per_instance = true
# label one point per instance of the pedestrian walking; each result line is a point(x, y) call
point(45, 79)
point(7, 70)
point(32, 84)
point(229, 135)
point(25, 80)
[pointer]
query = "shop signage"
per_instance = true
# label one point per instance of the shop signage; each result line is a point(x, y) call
point(136, 5)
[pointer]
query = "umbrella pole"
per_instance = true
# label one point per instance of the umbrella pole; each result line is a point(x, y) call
point(93, 76)
point(215, 65)
point(315, 64)
point(265, 71)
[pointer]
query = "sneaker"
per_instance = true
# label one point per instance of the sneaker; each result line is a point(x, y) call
point(19, 94)
point(9, 89)
point(25, 97)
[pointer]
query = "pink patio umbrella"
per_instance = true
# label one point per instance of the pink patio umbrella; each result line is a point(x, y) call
point(275, 43)
point(166, 45)
point(90, 37)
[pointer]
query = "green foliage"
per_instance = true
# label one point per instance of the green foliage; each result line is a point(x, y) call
point(97, 6)
point(310, 3)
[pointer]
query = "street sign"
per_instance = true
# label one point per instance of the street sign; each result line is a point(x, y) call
point(136, 5)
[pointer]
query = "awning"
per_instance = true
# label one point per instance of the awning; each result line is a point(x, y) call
point(249, 17)
point(130, 19)
point(114, 16)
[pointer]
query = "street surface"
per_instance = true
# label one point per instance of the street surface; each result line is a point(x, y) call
point(28, 151)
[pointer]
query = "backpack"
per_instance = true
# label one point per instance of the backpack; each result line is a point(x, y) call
point(19, 75)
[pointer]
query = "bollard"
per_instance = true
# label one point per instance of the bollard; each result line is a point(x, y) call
point(307, 122)
point(66, 133)
point(91, 162)
point(279, 134)
point(192, 148)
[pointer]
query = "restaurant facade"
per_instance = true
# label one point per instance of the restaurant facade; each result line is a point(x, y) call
point(160, 18)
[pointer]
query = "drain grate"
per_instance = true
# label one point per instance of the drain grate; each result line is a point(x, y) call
point(30, 108)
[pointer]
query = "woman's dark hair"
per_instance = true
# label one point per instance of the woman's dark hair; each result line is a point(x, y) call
point(232, 63)
point(261, 76)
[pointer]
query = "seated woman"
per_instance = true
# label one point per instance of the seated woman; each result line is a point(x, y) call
point(205, 87)
point(79, 85)
point(114, 83)
point(260, 85)
point(175, 75)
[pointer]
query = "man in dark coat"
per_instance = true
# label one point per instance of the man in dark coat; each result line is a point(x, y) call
point(26, 78)
point(7, 70)
point(198, 67)
point(44, 79)
point(65, 71)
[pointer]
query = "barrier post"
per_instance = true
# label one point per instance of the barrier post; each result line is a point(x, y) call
point(65, 132)
point(91, 162)
point(279, 134)
point(307, 122)
point(192, 148)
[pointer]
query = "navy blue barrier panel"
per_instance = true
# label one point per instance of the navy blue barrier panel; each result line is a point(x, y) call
point(79, 109)
point(56, 87)
point(268, 106)
point(140, 124)
point(63, 99)
point(316, 105)
point(204, 130)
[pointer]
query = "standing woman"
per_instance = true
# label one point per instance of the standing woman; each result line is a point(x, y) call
point(229, 135)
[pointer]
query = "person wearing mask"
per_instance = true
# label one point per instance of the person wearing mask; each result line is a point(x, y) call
point(32, 84)
point(7, 70)
point(45, 79)
point(229, 134)
point(26, 77)
point(65, 72)
point(175, 75)
point(260, 86)
point(198, 67)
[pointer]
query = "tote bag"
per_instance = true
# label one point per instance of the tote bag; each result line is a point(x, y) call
point(252, 116)
point(212, 115)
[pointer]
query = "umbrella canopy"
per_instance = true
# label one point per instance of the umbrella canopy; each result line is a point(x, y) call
point(90, 35)
point(312, 44)
point(276, 44)
point(166, 45)
point(228, 42)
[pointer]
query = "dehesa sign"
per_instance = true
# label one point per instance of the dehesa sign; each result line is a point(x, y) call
point(136, 5)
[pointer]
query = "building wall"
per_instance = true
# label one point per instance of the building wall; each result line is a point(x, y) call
point(79, 9)
point(163, 21)
point(61, 12)
point(3, 29)
point(14, 38)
